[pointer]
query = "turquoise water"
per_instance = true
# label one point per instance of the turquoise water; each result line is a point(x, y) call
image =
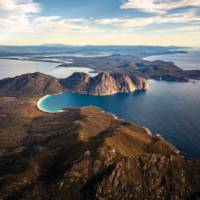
point(171, 109)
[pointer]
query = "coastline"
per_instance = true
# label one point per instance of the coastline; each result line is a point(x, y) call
point(39, 103)
point(147, 130)
point(39, 107)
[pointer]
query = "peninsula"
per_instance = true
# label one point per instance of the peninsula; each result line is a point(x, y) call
point(87, 154)
point(84, 153)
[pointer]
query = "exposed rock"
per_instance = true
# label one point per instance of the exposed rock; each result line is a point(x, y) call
point(102, 84)
point(76, 82)
point(140, 83)
point(124, 83)
point(38, 84)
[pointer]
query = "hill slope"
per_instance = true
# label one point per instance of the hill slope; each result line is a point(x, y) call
point(87, 154)
point(29, 85)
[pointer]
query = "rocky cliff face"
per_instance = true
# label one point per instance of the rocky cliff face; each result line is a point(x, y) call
point(140, 83)
point(76, 82)
point(124, 83)
point(104, 83)
point(38, 84)
point(87, 154)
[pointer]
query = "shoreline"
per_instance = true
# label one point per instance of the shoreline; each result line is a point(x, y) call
point(38, 104)
point(39, 107)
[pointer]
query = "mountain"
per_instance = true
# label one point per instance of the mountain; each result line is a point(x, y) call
point(140, 83)
point(141, 51)
point(88, 154)
point(76, 82)
point(38, 84)
point(104, 83)
point(29, 85)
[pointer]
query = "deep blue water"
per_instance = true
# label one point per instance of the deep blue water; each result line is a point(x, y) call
point(171, 109)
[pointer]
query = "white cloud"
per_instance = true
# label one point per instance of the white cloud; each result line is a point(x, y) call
point(158, 6)
point(22, 22)
point(18, 16)
point(188, 28)
point(57, 24)
point(185, 17)
point(11, 8)
point(14, 14)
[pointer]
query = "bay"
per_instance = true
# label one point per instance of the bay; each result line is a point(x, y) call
point(168, 108)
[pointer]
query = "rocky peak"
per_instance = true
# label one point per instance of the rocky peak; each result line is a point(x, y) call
point(77, 81)
point(124, 82)
point(102, 84)
point(38, 84)
point(140, 83)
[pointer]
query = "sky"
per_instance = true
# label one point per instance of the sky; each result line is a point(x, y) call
point(100, 22)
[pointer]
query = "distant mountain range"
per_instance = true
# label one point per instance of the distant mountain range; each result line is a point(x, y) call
point(140, 51)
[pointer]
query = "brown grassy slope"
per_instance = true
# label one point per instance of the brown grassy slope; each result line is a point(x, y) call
point(86, 154)
point(30, 85)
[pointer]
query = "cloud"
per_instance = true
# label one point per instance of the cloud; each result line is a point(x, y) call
point(158, 6)
point(188, 28)
point(11, 8)
point(24, 16)
point(184, 17)
point(22, 22)
point(57, 24)
point(14, 14)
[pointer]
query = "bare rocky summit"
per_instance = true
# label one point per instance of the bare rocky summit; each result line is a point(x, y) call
point(38, 84)
point(76, 82)
point(104, 84)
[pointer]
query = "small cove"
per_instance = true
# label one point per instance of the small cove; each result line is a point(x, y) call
point(170, 109)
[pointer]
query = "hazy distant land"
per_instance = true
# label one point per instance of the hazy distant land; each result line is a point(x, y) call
point(109, 59)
